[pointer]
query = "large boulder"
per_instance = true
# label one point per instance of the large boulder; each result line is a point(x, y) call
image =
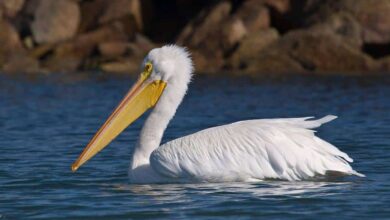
point(342, 25)
point(254, 14)
point(9, 41)
point(372, 15)
point(21, 63)
point(251, 46)
point(100, 12)
point(10, 8)
point(120, 8)
point(203, 36)
point(13, 57)
point(308, 51)
point(55, 21)
point(215, 32)
point(326, 53)
point(70, 55)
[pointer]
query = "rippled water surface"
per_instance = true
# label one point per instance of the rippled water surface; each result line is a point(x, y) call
point(45, 123)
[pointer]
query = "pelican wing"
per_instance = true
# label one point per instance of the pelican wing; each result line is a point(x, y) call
point(252, 150)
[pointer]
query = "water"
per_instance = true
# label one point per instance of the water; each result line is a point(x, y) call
point(45, 123)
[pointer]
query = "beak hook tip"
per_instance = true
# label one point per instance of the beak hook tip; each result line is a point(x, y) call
point(74, 168)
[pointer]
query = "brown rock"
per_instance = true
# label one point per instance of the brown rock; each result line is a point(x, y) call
point(144, 45)
point(372, 15)
point(205, 25)
point(21, 63)
point(342, 25)
point(281, 6)
point(215, 32)
point(100, 12)
point(9, 41)
point(203, 35)
point(55, 21)
point(254, 15)
point(131, 60)
point(120, 8)
point(70, 55)
point(10, 8)
point(385, 64)
point(251, 46)
point(307, 51)
point(271, 63)
point(90, 12)
point(112, 49)
point(232, 33)
point(325, 53)
point(126, 65)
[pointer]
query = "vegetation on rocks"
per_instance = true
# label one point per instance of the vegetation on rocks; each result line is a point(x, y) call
point(245, 37)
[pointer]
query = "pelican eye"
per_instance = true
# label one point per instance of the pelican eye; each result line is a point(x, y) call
point(148, 68)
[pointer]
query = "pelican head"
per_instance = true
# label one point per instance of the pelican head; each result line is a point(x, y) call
point(162, 84)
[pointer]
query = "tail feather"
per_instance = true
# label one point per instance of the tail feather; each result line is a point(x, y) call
point(317, 123)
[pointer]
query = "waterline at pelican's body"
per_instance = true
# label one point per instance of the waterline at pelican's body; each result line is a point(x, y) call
point(253, 150)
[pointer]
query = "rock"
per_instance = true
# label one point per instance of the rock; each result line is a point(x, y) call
point(325, 53)
point(272, 63)
point(90, 12)
point(112, 49)
point(55, 21)
point(342, 25)
point(13, 57)
point(9, 41)
point(215, 32)
point(281, 6)
point(385, 64)
point(120, 8)
point(69, 56)
point(21, 63)
point(100, 12)
point(232, 33)
point(254, 15)
point(10, 8)
point(251, 46)
point(204, 25)
point(143, 43)
point(203, 35)
point(372, 15)
point(307, 51)
point(126, 65)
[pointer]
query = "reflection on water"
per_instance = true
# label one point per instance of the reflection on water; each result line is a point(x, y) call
point(172, 192)
point(45, 124)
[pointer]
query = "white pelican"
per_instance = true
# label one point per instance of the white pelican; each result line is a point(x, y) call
point(253, 150)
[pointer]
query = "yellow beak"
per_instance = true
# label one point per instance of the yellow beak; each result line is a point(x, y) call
point(142, 96)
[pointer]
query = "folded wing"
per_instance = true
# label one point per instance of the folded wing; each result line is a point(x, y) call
point(252, 150)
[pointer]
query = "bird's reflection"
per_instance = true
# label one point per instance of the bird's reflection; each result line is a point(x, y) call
point(265, 189)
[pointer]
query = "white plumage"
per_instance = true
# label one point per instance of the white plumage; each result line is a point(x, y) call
point(251, 151)
point(254, 150)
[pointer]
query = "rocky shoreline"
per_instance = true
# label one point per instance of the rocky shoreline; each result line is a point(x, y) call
point(252, 37)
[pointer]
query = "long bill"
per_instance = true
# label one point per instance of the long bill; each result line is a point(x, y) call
point(142, 96)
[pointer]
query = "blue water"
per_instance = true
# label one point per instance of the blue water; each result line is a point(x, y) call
point(46, 122)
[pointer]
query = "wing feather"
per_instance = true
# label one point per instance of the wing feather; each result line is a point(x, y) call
point(256, 149)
